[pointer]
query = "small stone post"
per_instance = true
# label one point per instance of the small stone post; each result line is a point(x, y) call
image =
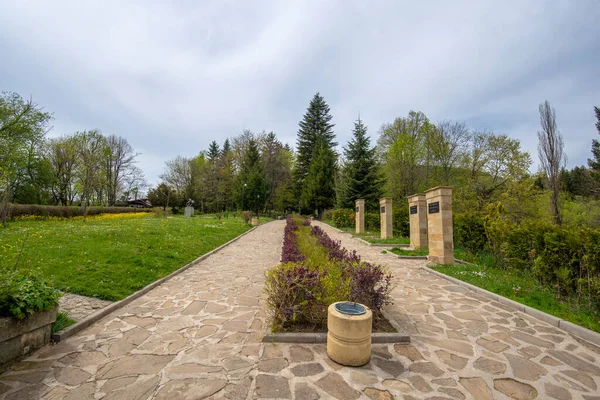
point(386, 218)
point(417, 208)
point(439, 224)
point(360, 216)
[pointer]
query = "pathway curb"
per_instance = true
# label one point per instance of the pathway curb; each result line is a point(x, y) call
point(89, 320)
point(301, 337)
point(567, 326)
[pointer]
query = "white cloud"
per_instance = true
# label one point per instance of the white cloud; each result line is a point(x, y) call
point(171, 77)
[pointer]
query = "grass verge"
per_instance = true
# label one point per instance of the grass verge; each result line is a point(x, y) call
point(520, 286)
point(404, 252)
point(111, 259)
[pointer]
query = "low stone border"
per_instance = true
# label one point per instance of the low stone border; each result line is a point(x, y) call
point(84, 323)
point(567, 326)
point(301, 337)
point(403, 245)
point(412, 257)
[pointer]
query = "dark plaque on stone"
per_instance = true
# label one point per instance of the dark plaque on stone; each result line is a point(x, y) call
point(413, 209)
point(357, 208)
point(383, 209)
point(434, 208)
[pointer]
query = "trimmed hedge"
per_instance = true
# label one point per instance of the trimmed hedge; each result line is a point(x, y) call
point(19, 210)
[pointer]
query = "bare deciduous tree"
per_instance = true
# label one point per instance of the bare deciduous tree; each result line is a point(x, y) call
point(550, 151)
point(448, 144)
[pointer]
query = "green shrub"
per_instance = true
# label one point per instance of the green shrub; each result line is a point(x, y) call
point(401, 224)
point(469, 232)
point(23, 293)
point(372, 221)
point(565, 259)
point(328, 215)
point(246, 216)
point(344, 218)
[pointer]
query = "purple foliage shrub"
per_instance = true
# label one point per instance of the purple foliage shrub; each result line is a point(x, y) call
point(334, 247)
point(291, 296)
point(290, 251)
point(370, 284)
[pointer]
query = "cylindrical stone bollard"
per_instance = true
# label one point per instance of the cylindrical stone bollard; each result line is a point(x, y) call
point(254, 221)
point(349, 336)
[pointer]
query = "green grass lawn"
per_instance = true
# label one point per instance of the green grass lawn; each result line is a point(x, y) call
point(111, 259)
point(520, 286)
point(403, 252)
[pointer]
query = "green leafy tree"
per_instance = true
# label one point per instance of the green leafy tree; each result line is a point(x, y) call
point(315, 125)
point(361, 171)
point(277, 163)
point(403, 147)
point(23, 125)
point(89, 146)
point(62, 155)
point(161, 196)
point(319, 191)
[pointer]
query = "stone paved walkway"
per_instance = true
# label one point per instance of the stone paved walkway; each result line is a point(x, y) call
point(78, 307)
point(198, 336)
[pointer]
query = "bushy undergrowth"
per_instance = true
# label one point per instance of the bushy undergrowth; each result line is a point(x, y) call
point(299, 292)
point(23, 293)
point(20, 210)
point(565, 259)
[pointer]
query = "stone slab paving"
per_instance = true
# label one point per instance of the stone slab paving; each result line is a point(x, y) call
point(78, 307)
point(198, 336)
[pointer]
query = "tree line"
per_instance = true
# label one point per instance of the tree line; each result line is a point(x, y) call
point(258, 172)
point(83, 168)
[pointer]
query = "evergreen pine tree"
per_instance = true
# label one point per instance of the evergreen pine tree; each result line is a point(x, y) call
point(314, 125)
point(251, 183)
point(213, 151)
point(319, 189)
point(361, 173)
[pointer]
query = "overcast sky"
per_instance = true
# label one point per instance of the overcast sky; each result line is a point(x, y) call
point(172, 76)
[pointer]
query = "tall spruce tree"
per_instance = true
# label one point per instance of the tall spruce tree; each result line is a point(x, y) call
point(361, 173)
point(315, 125)
point(319, 186)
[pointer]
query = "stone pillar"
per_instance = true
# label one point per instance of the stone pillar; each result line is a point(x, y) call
point(360, 216)
point(439, 224)
point(386, 218)
point(417, 209)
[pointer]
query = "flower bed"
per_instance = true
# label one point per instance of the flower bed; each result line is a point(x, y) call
point(317, 271)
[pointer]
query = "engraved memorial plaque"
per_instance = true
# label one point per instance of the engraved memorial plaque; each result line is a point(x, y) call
point(383, 209)
point(413, 209)
point(434, 207)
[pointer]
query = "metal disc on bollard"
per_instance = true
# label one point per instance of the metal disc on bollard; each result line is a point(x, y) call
point(349, 333)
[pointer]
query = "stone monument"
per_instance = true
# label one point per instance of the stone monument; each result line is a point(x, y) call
point(386, 218)
point(417, 211)
point(439, 225)
point(360, 216)
point(189, 208)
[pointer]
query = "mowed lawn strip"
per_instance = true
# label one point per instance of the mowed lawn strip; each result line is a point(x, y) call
point(520, 286)
point(111, 259)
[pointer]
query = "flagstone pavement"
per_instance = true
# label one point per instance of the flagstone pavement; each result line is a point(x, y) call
point(198, 336)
